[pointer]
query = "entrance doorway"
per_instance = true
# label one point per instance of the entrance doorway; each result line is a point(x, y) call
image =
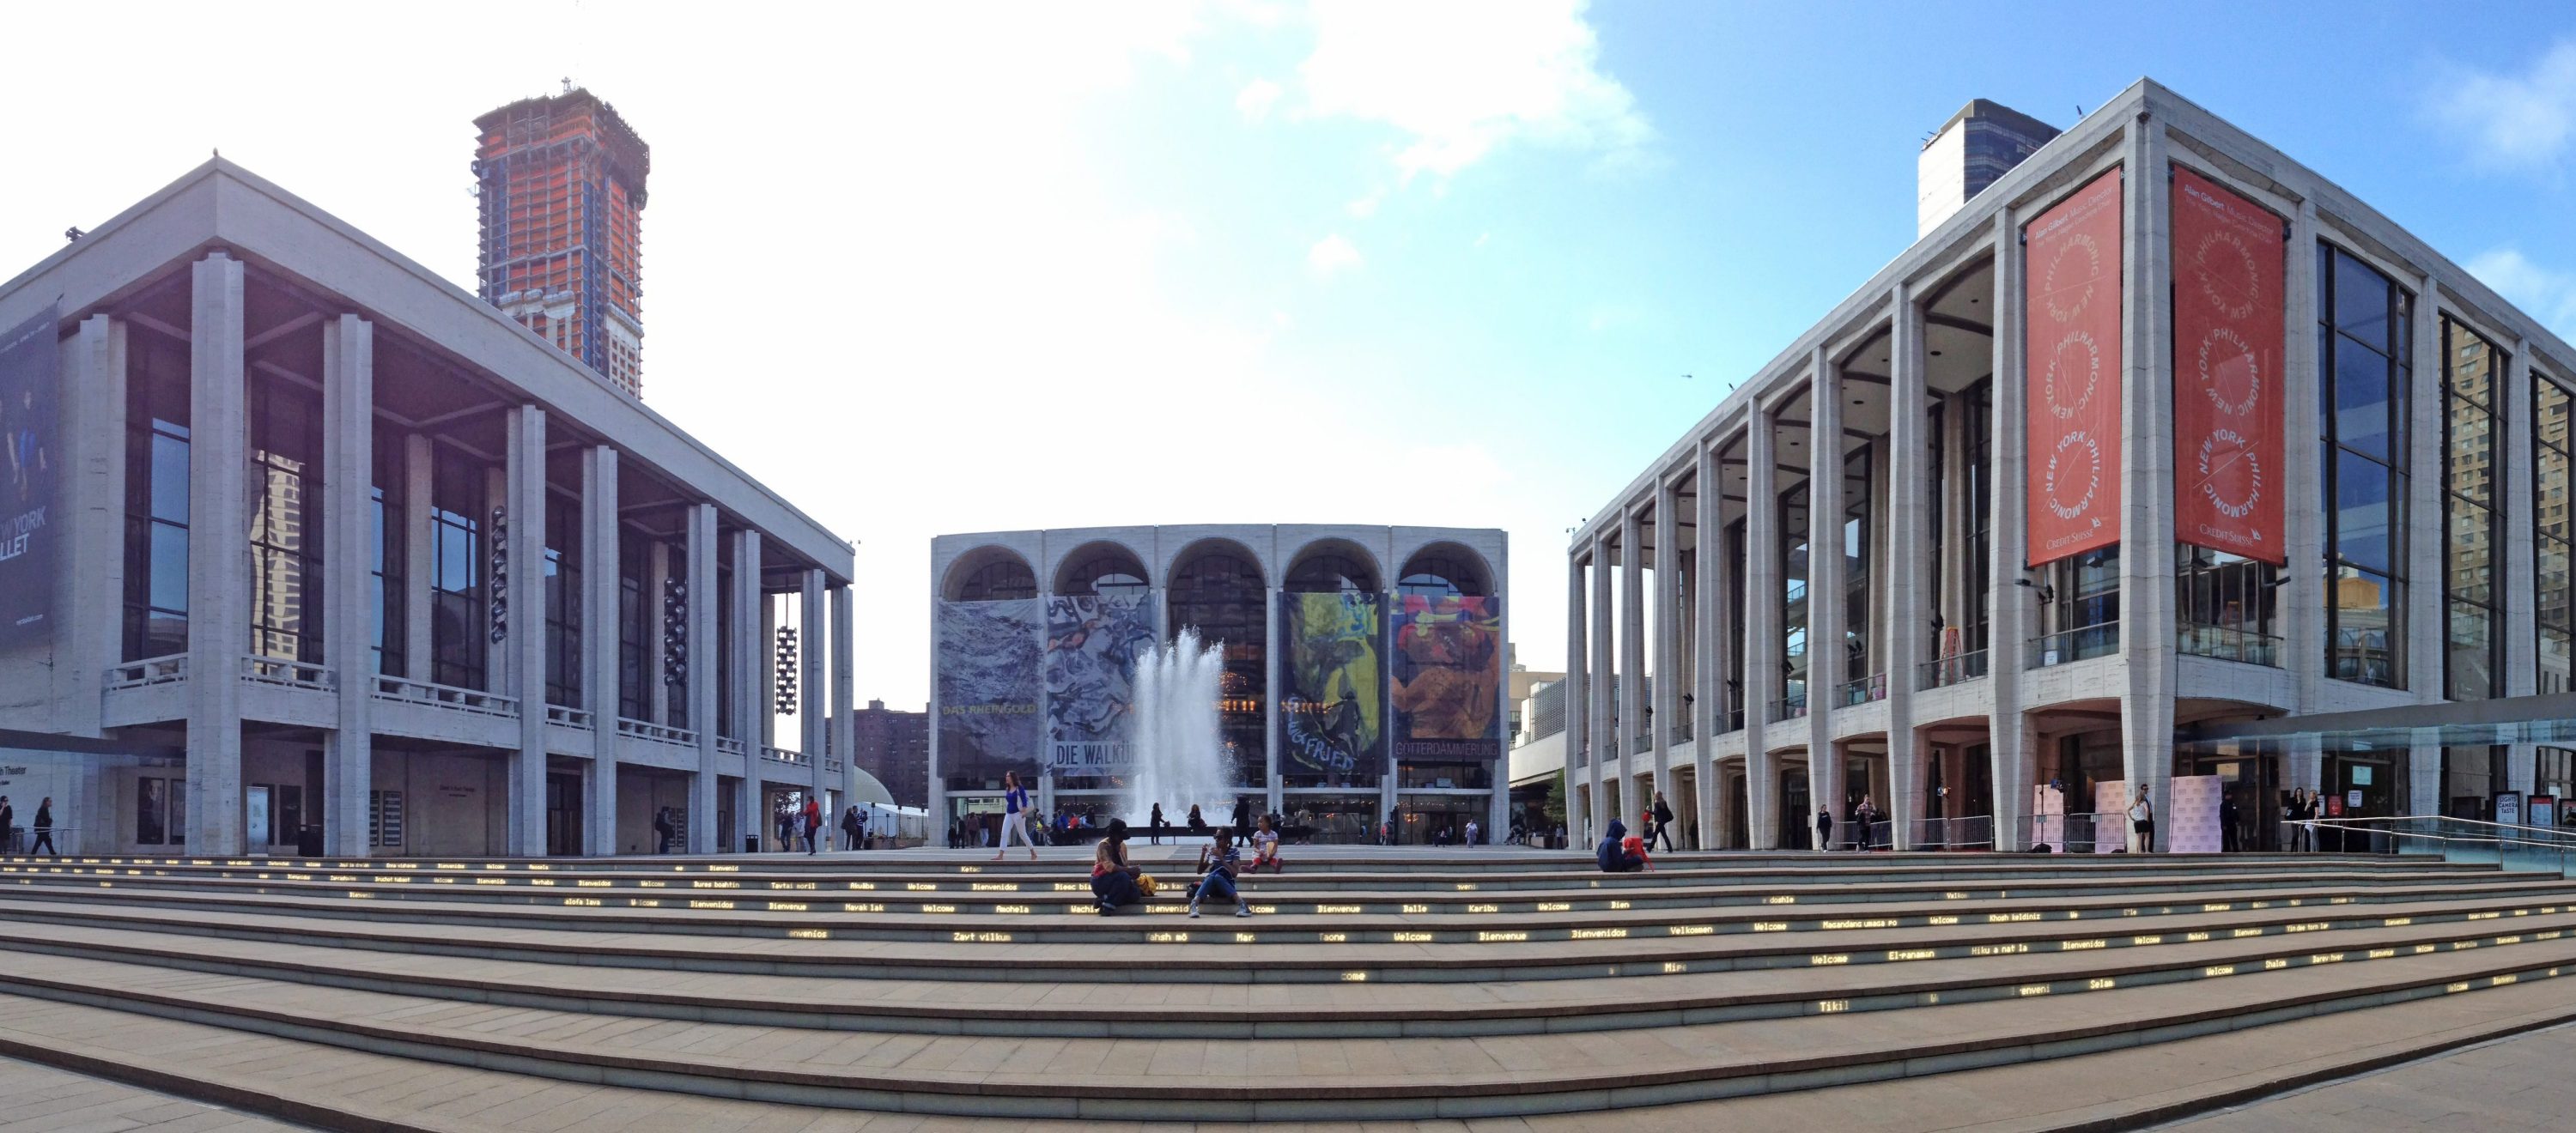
point(1797, 811)
point(2249, 787)
point(1739, 828)
point(2358, 786)
point(563, 814)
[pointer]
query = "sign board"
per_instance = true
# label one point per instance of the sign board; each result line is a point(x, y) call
point(2508, 808)
point(255, 819)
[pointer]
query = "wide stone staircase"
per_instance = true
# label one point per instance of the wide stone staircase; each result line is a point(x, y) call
point(1932, 990)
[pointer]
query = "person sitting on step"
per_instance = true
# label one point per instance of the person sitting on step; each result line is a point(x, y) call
point(1614, 855)
point(1265, 847)
point(1113, 877)
point(1219, 861)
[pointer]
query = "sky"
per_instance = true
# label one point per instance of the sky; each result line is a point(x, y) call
point(964, 267)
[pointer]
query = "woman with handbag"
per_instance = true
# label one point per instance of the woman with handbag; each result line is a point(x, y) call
point(1113, 878)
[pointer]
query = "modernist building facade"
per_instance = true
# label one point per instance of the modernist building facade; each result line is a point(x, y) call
point(2162, 456)
point(1363, 672)
point(311, 542)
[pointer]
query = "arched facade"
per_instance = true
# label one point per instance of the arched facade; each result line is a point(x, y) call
point(1307, 616)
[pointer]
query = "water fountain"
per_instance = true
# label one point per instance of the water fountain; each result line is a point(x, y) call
point(1178, 752)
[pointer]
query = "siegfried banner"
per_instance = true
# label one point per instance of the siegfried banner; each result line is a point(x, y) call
point(28, 370)
point(1448, 661)
point(988, 687)
point(1330, 715)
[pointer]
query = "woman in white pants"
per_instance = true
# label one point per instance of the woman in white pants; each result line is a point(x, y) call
point(1015, 817)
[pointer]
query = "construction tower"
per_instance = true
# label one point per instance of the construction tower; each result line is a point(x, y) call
point(561, 180)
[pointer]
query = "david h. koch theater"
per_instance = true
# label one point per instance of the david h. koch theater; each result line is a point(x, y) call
point(306, 545)
point(2159, 463)
point(1363, 681)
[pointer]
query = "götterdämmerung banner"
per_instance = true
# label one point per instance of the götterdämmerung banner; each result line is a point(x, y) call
point(1330, 704)
point(1448, 660)
point(27, 432)
point(2071, 255)
point(2228, 268)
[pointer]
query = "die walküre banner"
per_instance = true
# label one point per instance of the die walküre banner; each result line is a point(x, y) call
point(2072, 301)
point(2228, 262)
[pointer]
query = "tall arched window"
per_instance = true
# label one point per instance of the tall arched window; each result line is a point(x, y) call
point(1330, 567)
point(989, 574)
point(1105, 569)
point(1217, 588)
point(1444, 569)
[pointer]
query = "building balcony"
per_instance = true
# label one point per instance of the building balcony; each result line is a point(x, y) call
point(1947, 671)
point(2080, 644)
point(568, 717)
point(1792, 707)
point(1862, 691)
point(287, 674)
point(770, 754)
point(407, 691)
point(2226, 643)
point(150, 671)
point(658, 733)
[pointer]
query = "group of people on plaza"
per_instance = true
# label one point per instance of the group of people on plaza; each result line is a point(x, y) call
point(1118, 882)
point(43, 829)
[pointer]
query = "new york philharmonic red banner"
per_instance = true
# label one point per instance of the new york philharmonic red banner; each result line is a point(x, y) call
point(2228, 278)
point(2071, 352)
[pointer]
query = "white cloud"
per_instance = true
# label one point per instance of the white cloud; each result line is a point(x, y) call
point(1256, 99)
point(1463, 79)
point(1332, 256)
point(2515, 121)
point(2545, 293)
point(1366, 206)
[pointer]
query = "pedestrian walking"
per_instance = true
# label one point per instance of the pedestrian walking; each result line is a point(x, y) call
point(1663, 820)
point(1824, 827)
point(662, 830)
point(813, 817)
point(1015, 820)
point(1155, 827)
point(44, 830)
point(1472, 831)
point(862, 842)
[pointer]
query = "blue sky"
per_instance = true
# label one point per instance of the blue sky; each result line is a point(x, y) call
point(958, 268)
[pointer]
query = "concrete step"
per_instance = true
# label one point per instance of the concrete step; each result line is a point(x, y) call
point(1193, 1079)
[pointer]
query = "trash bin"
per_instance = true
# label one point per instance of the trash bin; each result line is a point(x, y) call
point(308, 841)
point(751, 843)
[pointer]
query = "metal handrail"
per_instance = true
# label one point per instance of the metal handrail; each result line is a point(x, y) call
point(1956, 669)
point(2228, 643)
point(1864, 690)
point(2101, 639)
point(2484, 842)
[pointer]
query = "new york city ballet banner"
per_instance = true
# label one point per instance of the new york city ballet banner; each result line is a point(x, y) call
point(2071, 255)
point(988, 687)
point(1448, 661)
point(1091, 652)
point(1330, 715)
point(2228, 269)
point(27, 426)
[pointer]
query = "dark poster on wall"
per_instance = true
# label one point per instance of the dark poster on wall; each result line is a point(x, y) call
point(1092, 647)
point(2073, 359)
point(2228, 295)
point(29, 432)
point(1448, 660)
point(1330, 711)
point(989, 674)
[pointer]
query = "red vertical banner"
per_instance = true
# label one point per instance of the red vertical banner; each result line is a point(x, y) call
point(2072, 358)
point(2228, 263)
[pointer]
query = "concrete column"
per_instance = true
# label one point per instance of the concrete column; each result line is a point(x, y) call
point(420, 564)
point(1762, 610)
point(1666, 609)
point(2009, 605)
point(1270, 697)
point(1708, 601)
point(812, 717)
point(526, 640)
point(2424, 784)
point(2303, 595)
point(750, 716)
point(601, 633)
point(1904, 578)
point(1632, 719)
point(845, 695)
point(90, 591)
point(2422, 597)
point(1604, 674)
point(1827, 564)
point(703, 673)
point(218, 555)
point(2146, 465)
point(1577, 693)
point(348, 558)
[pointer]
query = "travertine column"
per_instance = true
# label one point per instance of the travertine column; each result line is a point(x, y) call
point(750, 709)
point(845, 695)
point(811, 717)
point(1708, 595)
point(2147, 635)
point(703, 672)
point(1827, 564)
point(2423, 650)
point(2302, 597)
point(1605, 667)
point(1762, 612)
point(90, 594)
point(526, 429)
point(218, 555)
point(1905, 579)
point(1632, 720)
point(1666, 610)
point(602, 633)
point(1578, 695)
point(2009, 605)
point(348, 555)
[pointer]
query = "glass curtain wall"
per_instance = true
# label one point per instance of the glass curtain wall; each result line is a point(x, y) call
point(387, 506)
point(285, 487)
point(635, 619)
point(1794, 555)
point(156, 496)
point(1221, 593)
point(1978, 429)
point(2471, 462)
point(2555, 608)
point(563, 603)
point(2364, 340)
point(1858, 546)
point(2227, 606)
point(459, 618)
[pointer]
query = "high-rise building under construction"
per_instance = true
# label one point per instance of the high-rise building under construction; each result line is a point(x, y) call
point(561, 180)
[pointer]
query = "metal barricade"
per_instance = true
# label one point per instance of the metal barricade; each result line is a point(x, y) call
point(2088, 832)
point(1970, 832)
